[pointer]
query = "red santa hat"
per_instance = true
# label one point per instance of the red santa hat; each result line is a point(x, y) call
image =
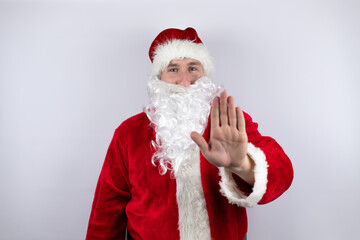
point(173, 44)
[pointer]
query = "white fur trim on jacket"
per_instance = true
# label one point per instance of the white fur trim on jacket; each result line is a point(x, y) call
point(229, 188)
point(178, 49)
point(193, 216)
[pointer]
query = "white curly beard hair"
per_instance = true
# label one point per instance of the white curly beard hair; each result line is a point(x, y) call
point(176, 111)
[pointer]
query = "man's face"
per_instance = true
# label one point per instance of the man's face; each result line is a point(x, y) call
point(183, 72)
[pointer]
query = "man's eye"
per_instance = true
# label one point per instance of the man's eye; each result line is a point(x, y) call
point(172, 70)
point(192, 69)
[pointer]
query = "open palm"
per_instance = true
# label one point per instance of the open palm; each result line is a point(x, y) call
point(227, 146)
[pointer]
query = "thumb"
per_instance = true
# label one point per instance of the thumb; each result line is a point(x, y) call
point(200, 141)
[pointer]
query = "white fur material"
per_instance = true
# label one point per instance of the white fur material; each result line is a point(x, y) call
point(176, 111)
point(228, 186)
point(193, 216)
point(178, 49)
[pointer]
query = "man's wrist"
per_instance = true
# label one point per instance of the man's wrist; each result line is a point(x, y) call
point(245, 170)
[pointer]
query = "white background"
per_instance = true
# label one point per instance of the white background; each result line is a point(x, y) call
point(72, 71)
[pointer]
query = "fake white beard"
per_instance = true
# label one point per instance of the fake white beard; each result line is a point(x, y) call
point(176, 111)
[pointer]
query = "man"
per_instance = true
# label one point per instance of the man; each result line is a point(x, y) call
point(173, 172)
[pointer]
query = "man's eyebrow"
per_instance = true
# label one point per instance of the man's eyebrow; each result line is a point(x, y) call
point(173, 65)
point(194, 63)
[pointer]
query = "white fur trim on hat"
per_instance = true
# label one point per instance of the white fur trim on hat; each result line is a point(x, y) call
point(229, 188)
point(178, 49)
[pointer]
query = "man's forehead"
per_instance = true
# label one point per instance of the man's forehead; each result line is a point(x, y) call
point(187, 61)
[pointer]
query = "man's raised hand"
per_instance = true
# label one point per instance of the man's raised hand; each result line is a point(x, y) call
point(227, 146)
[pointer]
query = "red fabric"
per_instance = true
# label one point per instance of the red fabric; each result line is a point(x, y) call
point(170, 34)
point(280, 171)
point(131, 192)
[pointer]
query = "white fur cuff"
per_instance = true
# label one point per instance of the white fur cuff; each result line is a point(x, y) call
point(229, 188)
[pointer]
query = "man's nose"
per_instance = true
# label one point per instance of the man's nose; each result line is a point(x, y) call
point(184, 79)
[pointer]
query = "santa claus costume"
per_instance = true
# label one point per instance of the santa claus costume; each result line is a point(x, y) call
point(156, 183)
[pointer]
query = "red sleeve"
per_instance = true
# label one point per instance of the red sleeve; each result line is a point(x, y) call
point(108, 219)
point(279, 173)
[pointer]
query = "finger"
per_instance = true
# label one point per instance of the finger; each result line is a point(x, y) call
point(223, 109)
point(240, 120)
point(232, 111)
point(215, 113)
point(200, 141)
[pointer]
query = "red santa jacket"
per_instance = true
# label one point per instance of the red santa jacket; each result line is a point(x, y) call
point(132, 194)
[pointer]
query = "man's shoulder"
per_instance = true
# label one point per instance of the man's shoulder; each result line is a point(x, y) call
point(136, 119)
point(135, 122)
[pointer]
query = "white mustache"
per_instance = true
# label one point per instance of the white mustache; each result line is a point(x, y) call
point(176, 111)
